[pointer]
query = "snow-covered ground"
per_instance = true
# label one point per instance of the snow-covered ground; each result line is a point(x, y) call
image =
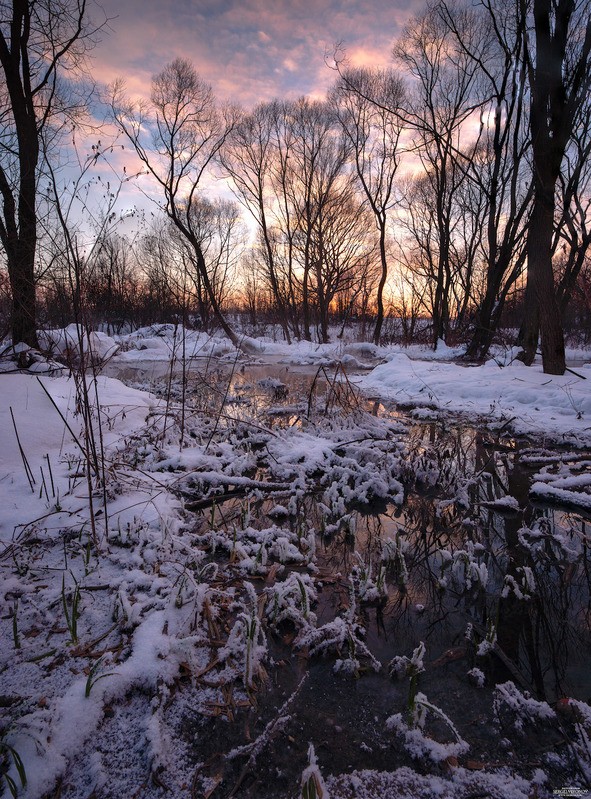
point(520, 398)
point(501, 390)
point(115, 619)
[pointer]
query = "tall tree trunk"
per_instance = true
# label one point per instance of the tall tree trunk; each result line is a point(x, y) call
point(18, 229)
point(482, 335)
point(22, 283)
point(380, 294)
point(529, 332)
point(306, 294)
point(541, 312)
point(541, 275)
point(560, 78)
point(490, 311)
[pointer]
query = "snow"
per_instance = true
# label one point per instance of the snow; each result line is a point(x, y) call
point(48, 443)
point(66, 342)
point(520, 706)
point(421, 746)
point(404, 783)
point(527, 401)
point(503, 390)
point(150, 601)
point(51, 436)
point(506, 503)
point(313, 784)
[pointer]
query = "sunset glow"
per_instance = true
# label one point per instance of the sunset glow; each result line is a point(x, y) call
point(249, 50)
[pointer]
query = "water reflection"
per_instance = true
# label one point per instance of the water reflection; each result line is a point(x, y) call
point(465, 548)
point(466, 563)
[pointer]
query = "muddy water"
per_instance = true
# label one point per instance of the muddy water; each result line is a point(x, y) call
point(534, 605)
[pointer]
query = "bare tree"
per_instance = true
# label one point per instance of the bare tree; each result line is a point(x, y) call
point(444, 101)
point(341, 253)
point(573, 228)
point(368, 104)
point(286, 216)
point(40, 41)
point(113, 288)
point(408, 304)
point(219, 229)
point(498, 169)
point(160, 259)
point(557, 53)
point(308, 173)
point(178, 135)
point(251, 294)
point(252, 157)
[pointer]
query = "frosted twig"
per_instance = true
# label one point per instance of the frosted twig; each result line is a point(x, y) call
point(256, 747)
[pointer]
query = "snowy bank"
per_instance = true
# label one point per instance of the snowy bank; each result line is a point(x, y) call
point(522, 398)
point(41, 425)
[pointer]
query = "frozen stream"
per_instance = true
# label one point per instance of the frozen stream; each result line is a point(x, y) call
point(494, 585)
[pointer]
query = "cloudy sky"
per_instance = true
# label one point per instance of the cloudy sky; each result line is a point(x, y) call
point(249, 50)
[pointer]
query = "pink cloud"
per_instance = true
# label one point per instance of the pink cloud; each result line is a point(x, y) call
point(241, 59)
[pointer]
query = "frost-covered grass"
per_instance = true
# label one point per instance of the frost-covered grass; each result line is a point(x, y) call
point(153, 607)
point(141, 604)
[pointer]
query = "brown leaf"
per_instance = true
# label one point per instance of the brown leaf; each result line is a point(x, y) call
point(272, 573)
point(475, 765)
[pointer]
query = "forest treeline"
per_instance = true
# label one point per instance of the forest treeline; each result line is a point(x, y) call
point(449, 192)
